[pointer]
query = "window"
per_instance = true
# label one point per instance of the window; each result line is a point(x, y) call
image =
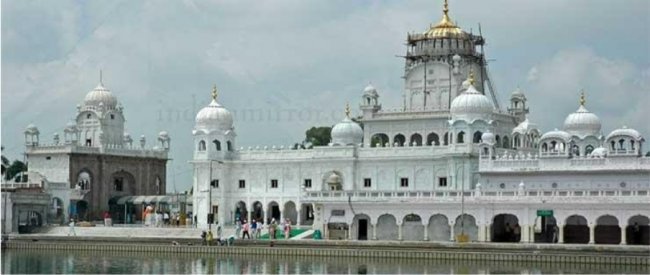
point(217, 144)
point(242, 184)
point(201, 145)
point(367, 182)
point(112, 116)
point(118, 184)
point(554, 185)
point(229, 145)
point(502, 185)
point(214, 183)
point(623, 184)
point(404, 182)
point(274, 183)
point(307, 183)
point(442, 182)
point(48, 158)
point(88, 116)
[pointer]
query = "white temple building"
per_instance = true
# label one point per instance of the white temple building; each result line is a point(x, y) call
point(451, 161)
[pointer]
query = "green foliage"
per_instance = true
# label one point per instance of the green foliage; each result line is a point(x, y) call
point(14, 169)
point(318, 136)
point(647, 154)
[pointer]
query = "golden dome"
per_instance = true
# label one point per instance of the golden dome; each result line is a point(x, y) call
point(446, 28)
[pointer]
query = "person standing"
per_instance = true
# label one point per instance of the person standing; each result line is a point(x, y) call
point(204, 237)
point(166, 218)
point(253, 229)
point(258, 233)
point(72, 232)
point(287, 229)
point(246, 227)
point(272, 228)
point(210, 238)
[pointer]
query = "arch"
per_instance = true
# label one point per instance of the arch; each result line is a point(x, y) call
point(201, 146)
point(638, 230)
point(546, 229)
point(217, 144)
point(607, 230)
point(466, 224)
point(81, 211)
point(588, 150)
point(229, 145)
point(416, 140)
point(257, 211)
point(439, 229)
point(576, 229)
point(497, 138)
point(575, 150)
point(378, 140)
point(386, 227)
point(460, 137)
point(433, 139)
point(505, 229)
point(446, 139)
point(241, 212)
point(361, 227)
point(544, 147)
point(290, 212)
point(506, 142)
point(306, 214)
point(477, 136)
point(412, 228)
point(273, 210)
point(399, 140)
point(84, 180)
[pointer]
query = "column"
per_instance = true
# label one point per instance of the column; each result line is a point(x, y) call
point(488, 233)
point(481, 233)
point(374, 231)
point(426, 232)
point(249, 215)
point(623, 236)
point(266, 216)
point(399, 232)
point(561, 233)
point(298, 217)
point(525, 234)
point(350, 232)
point(452, 238)
point(592, 236)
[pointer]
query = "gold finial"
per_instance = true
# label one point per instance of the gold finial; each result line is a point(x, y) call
point(582, 98)
point(471, 77)
point(214, 92)
point(347, 109)
point(446, 8)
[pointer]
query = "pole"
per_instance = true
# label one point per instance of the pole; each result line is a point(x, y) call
point(210, 198)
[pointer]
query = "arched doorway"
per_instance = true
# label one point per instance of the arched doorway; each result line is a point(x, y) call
point(361, 226)
point(477, 137)
point(82, 211)
point(546, 229)
point(241, 213)
point(274, 212)
point(433, 139)
point(123, 184)
point(258, 211)
point(379, 140)
point(290, 212)
point(506, 229)
point(607, 230)
point(306, 214)
point(399, 140)
point(466, 224)
point(576, 230)
point(638, 230)
point(387, 227)
point(439, 229)
point(412, 228)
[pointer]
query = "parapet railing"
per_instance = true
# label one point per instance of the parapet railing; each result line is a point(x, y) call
point(472, 195)
point(20, 185)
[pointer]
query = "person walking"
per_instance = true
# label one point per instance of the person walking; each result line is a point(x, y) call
point(253, 229)
point(246, 227)
point(71, 231)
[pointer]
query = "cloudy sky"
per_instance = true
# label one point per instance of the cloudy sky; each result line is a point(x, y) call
point(295, 63)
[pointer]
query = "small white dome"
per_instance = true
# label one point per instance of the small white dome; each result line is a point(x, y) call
point(599, 152)
point(163, 134)
point(518, 94)
point(524, 127)
point(31, 129)
point(370, 91)
point(100, 96)
point(582, 123)
point(556, 134)
point(471, 105)
point(213, 117)
point(334, 178)
point(627, 132)
point(347, 132)
point(488, 138)
point(71, 127)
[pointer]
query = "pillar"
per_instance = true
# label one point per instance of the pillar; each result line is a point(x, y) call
point(592, 229)
point(266, 216)
point(525, 234)
point(426, 232)
point(350, 232)
point(399, 232)
point(488, 233)
point(623, 236)
point(452, 233)
point(561, 233)
point(374, 231)
point(481, 233)
point(249, 215)
point(298, 217)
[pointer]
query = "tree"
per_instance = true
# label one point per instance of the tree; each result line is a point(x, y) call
point(14, 169)
point(318, 136)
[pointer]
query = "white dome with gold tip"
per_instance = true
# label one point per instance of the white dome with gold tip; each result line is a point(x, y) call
point(214, 116)
point(582, 123)
point(347, 132)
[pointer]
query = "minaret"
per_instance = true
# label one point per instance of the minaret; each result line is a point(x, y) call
point(518, 107)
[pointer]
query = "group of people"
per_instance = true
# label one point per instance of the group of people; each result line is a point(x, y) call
point(207, 238)
point(253, 230)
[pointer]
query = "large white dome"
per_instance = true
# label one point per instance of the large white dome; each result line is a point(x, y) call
point(100, 96)
point(213, 117)
point(582, 123)
point(471, 105)
point(347, 132)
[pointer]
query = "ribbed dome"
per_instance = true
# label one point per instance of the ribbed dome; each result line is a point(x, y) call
point(562, 135)
point(100, 96)
point(347, 132)
point(31, 129)
point(582, 123)
point(370, 90)
point(488, 138)
point(445, 28)
point(471, 105)
point(213, 117)
point(627, 132)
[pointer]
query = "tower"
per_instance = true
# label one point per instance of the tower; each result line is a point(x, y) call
point(518, 107)
point(100, 119)
point(370, 101)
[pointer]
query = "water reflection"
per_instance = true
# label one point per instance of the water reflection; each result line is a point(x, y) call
point(36, 261)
